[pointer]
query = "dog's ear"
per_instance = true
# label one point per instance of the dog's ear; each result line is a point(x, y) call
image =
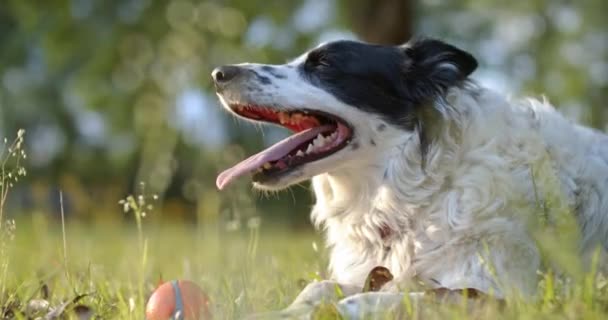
point(436, 61)
point(430, 68)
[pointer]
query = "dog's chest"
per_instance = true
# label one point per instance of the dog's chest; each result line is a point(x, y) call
point(369, 229)
point(390, 239)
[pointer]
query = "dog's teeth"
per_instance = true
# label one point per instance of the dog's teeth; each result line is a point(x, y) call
point(267, 165)
point(319, 141)
point(296, 118)
point(300, 153)
point(310, 148)
point(283, 117)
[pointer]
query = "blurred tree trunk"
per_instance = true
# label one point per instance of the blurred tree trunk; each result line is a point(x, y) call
point(382, 21)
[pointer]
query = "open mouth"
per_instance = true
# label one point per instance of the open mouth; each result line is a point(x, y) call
point(317, 136)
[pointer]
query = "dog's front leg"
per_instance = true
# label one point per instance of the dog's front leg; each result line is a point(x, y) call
point(396, 305)
point(323, 291)
point(309, 298)
point(376, 304)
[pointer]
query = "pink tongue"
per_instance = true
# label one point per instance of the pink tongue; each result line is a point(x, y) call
point(276, 152)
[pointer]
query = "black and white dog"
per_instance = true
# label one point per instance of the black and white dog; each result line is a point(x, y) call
point(415, 167)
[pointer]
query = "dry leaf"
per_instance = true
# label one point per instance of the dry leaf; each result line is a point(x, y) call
point(377, 278)
point(83, 312)
point(45, 292)
point(10, 308)
point(36, 307)
point(55, 313)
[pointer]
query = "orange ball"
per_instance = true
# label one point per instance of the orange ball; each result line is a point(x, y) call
point(179, 300)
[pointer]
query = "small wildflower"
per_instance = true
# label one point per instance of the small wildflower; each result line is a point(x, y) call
point(131, 304)
point(233, 225)
point(254, 222)
point(240, 298)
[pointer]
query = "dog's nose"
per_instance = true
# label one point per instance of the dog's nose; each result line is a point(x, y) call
point(224, 74)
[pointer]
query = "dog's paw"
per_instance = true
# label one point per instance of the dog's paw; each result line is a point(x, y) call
point(323, 291)
point(303, 312)
point(376, 304)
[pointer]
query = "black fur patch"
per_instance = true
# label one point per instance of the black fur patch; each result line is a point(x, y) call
point(263, 79)
point(273, 72)
point(391, 81)
point(254, 88)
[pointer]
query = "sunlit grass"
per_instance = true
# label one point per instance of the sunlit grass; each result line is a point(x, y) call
point(106, 262)
point(112, 267)
point(244, 272)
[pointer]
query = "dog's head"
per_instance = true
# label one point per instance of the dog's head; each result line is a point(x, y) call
point(343, 100)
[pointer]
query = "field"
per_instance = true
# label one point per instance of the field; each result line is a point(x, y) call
point(246, 271)
point(242, 271)
point(100, 98)
point(53, 267)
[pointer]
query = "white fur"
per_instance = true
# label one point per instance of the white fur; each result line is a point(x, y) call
point(476, 192)
point(466, 218)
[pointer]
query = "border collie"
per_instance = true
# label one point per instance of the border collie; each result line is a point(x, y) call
point(417, 168)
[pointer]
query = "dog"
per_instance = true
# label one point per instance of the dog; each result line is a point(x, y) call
point(417, 168)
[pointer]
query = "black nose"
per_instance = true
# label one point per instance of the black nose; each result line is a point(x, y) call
point(224, 74)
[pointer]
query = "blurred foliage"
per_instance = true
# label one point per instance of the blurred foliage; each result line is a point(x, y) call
point(117, 92)
point(539, 47)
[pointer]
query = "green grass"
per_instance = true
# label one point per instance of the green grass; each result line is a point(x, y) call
point(246, 271)
point(241, 272)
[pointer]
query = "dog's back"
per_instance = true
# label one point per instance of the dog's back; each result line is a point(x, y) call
point(570, 160)
point(580, 155)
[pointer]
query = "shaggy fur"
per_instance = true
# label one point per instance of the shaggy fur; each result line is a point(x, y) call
point(444, 182)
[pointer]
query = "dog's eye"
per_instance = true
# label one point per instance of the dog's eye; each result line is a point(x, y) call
point(316, 59)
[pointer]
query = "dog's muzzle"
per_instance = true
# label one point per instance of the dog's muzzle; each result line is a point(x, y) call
point(224, 75)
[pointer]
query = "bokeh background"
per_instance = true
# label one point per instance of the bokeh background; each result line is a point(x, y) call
point(115, 95)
